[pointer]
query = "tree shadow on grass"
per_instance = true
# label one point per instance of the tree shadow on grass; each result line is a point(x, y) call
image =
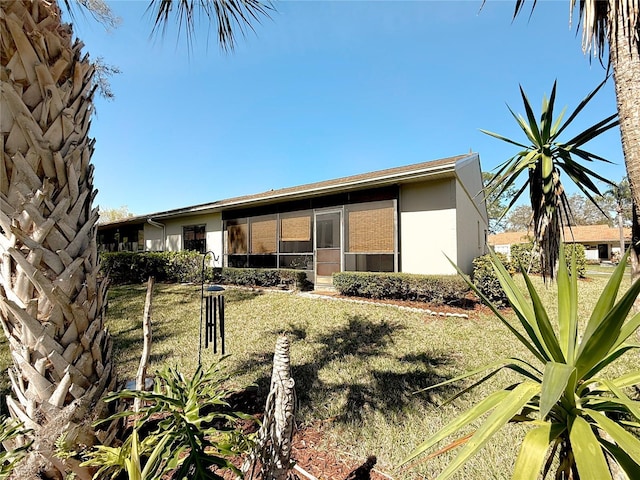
point(375, 387)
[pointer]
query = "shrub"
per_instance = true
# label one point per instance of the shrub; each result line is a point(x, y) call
point(581, 259)
point(11, 452)
point(579, 418)
point(485, 279)
point(184, 266)
point(437, 289)
point(132, 267)
point(527, 256)
point(261, 277)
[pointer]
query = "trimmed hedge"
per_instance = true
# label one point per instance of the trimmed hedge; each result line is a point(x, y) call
point(134, 267)
point(436, 289)
point(261, 277)
point(485, 279)
point(522, 253)
point(186, 267)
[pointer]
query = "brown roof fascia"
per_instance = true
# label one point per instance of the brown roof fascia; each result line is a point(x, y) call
point(407, 173)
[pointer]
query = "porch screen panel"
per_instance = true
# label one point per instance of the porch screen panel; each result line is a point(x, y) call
point(371, 230)
point(295, 229)
point(237, 239)
point(263, 236)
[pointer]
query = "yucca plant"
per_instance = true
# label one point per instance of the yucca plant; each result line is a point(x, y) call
point(187, 439)
point(576, 414)
point(544, 155)
point(10, 431)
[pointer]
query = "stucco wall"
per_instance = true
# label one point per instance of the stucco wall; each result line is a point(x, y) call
point(472, 230)
point(471, 219)
point(153, 238)
point(173, 233)
point(428, 227)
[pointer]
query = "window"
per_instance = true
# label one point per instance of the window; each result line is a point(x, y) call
point(295, 233)
point(194, 238)
point(296, 244)
point(370, 239)
point(236, 237)
point(263, 235)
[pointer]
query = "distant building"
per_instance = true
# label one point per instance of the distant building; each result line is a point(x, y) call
point(404, 219)
point(601, 242)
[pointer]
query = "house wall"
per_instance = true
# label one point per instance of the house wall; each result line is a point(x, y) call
point(428, 227)
point(471, 218)
point(173, 233)
point(153, 238)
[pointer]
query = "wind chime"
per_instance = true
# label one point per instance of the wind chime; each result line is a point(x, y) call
point(211, 313)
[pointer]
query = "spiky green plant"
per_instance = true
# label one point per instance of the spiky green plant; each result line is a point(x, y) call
point(543, 159)
point(576, 414)
point(187, 439)
point(9, 431)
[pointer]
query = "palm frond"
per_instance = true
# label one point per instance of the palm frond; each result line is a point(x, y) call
point(229, 16)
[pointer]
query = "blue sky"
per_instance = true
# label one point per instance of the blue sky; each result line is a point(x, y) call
point(324, 90)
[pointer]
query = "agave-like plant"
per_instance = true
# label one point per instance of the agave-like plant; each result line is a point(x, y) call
point(188, 439)
point(575, 413)
point(10, 453)
point(543, 160)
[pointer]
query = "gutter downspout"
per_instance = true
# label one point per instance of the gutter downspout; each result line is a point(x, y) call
point(153, 223)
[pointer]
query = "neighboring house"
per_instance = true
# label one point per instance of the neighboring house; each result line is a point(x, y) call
point(601, 242)
point(404, 219)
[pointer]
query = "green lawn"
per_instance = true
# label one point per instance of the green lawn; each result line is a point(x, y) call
point(357, 367)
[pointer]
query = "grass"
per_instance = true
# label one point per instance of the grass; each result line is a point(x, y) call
point(5, 361)
point(356, 366)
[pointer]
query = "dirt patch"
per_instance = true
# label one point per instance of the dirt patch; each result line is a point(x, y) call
point(312, 452)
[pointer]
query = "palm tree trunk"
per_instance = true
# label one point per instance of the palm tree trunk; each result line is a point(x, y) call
point(270, 457)
point(51, 298)
point(624, 53)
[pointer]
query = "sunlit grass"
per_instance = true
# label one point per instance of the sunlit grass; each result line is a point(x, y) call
point(357, 367)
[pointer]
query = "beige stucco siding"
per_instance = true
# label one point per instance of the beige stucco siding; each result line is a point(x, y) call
point(471, 219)
point(153, 238)
point(470, 180)
point(428, 227)
point(471, 227)
point(172, 233)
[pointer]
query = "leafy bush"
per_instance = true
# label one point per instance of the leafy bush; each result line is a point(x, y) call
point(528, 256)
point(437, 289)
point(581, 258)
point(260, 277)
point(485, 279)
point(132, 267)
point(184, 425)
point(186, 266)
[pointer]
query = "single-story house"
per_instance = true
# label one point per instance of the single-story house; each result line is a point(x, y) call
point(404, 219)
point(601, 242)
